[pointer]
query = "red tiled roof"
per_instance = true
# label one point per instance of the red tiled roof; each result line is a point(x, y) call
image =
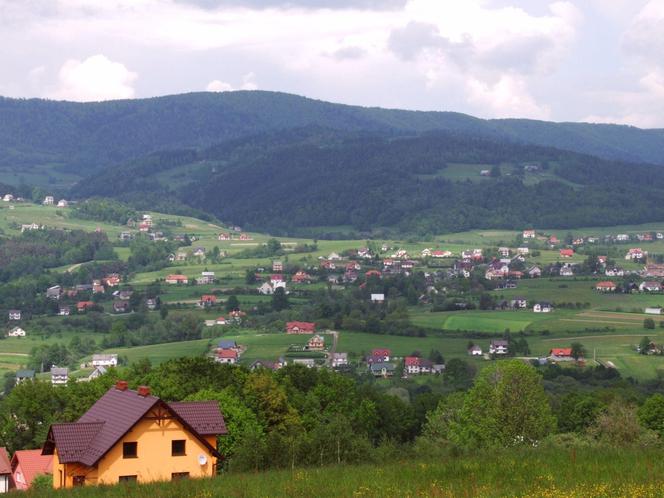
point(380, 352)
point(567, 252)
point(104, 424)
point(561, 352)
point(5, 465)
point(412, 361)
point(606, 284)
point(32, 463)
point(306, 326)
point(227, 353)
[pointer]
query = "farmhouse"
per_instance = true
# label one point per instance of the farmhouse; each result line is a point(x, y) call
point(377, 298)
point(301, 278)
point(498, 347)
point(63, 203)
point(48, 200)
point(339, 360)
point(23, 375)
point(14, 314)
point(654, 270)
point(650, 286)
point(415, 365)
point(561, 354)
point(635, 254)
point(382, 369)
point(206, 278)
point(380, 355)
point(566, 253)
point(82, 306)
point(54, 292)
point(59, 375)
point(529, 234)
point(64, 311)
point(269, 365)
point(566, 271)
point(523, 251)
point(226, 356)
point(121, 306)
point(606, 286)
point(5, 471)
point(316, 343)
point(534, 272)
point(207, 300)
point(146, 440)
point(16, 332)
point(475, 350)
point(104, 360)
point(224, 236)
point(176, 279)
point(519, 302)
point(543, 307)
point(300, 328)
point(614, 272)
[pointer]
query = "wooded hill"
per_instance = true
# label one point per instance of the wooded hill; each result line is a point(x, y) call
point(288, 182)
point(87, 137)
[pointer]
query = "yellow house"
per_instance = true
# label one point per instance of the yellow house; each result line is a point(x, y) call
point(133, 436)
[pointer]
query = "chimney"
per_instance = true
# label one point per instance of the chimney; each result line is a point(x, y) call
point(121, 385)
point(143, 391)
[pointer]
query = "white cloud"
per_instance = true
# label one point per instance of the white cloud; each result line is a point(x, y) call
point(508, 97)
point(248, 83)
point(95, 78)
point(218, 86)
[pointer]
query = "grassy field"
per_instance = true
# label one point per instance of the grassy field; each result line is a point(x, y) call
point(589, 473)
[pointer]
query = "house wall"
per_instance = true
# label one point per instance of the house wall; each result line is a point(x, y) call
point(154, 461)
point(4, 483)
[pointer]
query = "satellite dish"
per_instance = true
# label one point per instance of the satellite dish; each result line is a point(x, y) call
point(202, 459)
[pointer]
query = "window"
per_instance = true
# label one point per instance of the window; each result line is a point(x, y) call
point(177, 447)
point(79, 480)
point(176, 476)
point(129, 450)
point(127, 479)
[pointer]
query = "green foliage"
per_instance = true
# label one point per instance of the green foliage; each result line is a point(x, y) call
point(651, 414)
point(648, 323)
point(107, 210)
point(506, 406)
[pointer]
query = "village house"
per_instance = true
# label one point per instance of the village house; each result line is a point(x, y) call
point(414, 365)
point(104, 360)
point(14, 314)
point(98, 287)
point(146, 440)
point(529, 234)
point(245, 236)
point(111, 280)
point(207, 300)
point(5, 471)
point(382, 369)
point(268, 365)
point(534, 272)
point(307, 362)
point(523, 251)
point(602, 260)
point(59, 375)
point(277, 279)
point(504, 252)
point(199, 252)
point(622, 237)
point(83, 306)
point(566, 253)
point(277, 266)
point(566, 271)
point(339, 360)
point(24, 375)
point(426, 253)
point(650, 286)
point(614, 272)
point(48, 200)
point(54, 292)
point(176, 279)
point(378, 298)
point(29, 227)
point(364, 253)
point(316, 343)
point(64, 311)
point(16, 332)
point(300, 328)
point(519, 302)
point(654, 270)
point(328, 265)
point(553, 240)
point(8, 198)
point(28, 464)
point(561, 354)
point(226, 356)
point(266, 289)
point(206, 278)
point(380, 355)
point(151, 303)
point(475, 350)
point(498, 347)
point(606, 286)
point(373, 273)
point(63, 203)
point(543, 307)
point(301, 277)
point(121, 306)
point(224, 236)
point(635, 253)
point(441, 254)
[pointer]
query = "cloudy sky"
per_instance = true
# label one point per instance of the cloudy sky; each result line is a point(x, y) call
point(569, 60)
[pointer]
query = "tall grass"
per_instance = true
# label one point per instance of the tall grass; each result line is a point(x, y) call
point(519, 472)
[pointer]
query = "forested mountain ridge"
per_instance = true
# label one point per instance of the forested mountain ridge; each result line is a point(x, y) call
point(84, 138)
point(293, 181)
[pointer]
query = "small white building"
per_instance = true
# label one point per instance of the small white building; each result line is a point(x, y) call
point(377, 298)
point(48, 200)
point(339, 359)
point(63, 203)
point(498, 347)
point(104, 360)
point(16, 332)
point(543, 308)
point(59, 375)
point(14, 314)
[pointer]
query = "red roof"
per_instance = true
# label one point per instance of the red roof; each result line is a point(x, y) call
point(605, 285)
point(177, 277)
point(84, 304)
point(302, 326)
point(567, 252)
point(373, 273)
point(561, 352)
point(32, 464)
point(209, 298)
point(412, 361)
point(227, 353)
point(5, 465)
point(381, 352)
point(112, 416)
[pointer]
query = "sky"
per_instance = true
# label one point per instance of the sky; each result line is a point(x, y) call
point(565, 60)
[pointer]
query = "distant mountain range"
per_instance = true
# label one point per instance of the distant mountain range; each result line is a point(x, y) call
point(289, 164)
